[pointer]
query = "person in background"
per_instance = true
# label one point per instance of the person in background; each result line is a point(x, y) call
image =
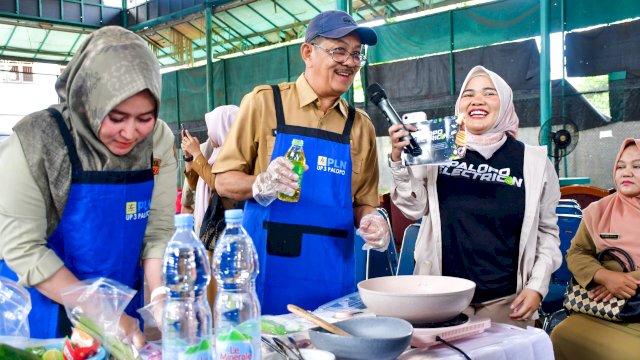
point(189, 189)
point(490, 216)
point(581, 336)
point(306, 248)
point(198, 171)
point(89, 185)
point(197, 167)
point(187, 197)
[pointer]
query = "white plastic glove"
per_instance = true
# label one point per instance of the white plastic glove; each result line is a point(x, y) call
point(375, 232)
point(278, 178)
point(153, 311)
point(130, 327)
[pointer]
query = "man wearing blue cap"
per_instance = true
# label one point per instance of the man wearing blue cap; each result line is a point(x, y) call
point(305, 248)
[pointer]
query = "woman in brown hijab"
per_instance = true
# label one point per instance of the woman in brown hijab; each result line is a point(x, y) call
point(611, 221)
point(88, 185)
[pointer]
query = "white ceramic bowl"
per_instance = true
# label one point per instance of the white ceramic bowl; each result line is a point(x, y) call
point(417, 298)
point(307, 354)
point(315, 354)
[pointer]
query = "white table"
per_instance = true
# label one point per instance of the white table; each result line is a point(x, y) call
point(499, 342)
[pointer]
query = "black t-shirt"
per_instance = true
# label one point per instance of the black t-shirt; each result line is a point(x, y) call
point(481, 209)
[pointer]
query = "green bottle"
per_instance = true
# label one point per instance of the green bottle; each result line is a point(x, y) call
point(295, 154)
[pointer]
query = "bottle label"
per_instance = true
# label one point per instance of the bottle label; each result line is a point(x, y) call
point(298, 168)
point(201, 351)
point(235, 345)
point(241, 342)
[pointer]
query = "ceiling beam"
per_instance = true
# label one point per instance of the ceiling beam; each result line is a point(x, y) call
point(237, 39)
point(375, 11)
point(197, 28)
point(245, 25)
point(162, 49)
point(73, 46)
point(390, 4)
point(294, 18)
point(43, 25)
point(313, 6)
point(165, 19)
point(28, 59)
point(234, 30)
point(221, 44)
point(265, 18)
point(46, 35)
point(8, 39)
point(194, 13)
point(46, 20)
point(32, 51)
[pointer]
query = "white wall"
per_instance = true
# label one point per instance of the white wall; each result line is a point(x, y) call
point(18, 99)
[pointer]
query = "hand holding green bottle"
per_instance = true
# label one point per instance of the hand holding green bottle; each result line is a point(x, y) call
point(295, 155)
point(278, 178)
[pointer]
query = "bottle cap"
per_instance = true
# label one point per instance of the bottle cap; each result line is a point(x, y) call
point(183, 220)
point(233, 215)
point(297, 142)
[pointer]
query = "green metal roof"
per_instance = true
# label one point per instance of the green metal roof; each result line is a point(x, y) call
point(29, 42)
point(175, 29)
point(239, 26)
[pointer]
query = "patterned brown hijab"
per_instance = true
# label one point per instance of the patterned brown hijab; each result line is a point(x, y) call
point(112, 65)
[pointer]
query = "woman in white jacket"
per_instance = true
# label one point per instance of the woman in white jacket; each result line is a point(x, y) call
point(489, 217)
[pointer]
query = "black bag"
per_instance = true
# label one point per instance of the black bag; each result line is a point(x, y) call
point(623, 310)
point(212, 222)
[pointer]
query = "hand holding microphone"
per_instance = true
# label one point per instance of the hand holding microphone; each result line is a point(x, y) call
point(397, 134)
point(378, 96)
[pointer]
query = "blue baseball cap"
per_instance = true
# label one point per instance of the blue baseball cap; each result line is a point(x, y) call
point(334, 24)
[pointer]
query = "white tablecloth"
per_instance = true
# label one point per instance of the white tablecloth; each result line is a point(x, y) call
point(499, 342)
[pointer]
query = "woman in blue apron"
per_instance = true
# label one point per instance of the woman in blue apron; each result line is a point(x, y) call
point(305, 248)
point(91, 182)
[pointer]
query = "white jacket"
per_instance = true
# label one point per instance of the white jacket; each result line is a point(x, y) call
point(414, 192)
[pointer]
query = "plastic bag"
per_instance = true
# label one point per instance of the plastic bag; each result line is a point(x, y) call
point(95, 307)
point(15, 304)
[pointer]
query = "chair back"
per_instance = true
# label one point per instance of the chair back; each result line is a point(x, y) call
point(568, 226)
point(572, 202)
point(551, 310)
point(568, 209)
point(373, 263)
point(583, 194)
point(406, 262)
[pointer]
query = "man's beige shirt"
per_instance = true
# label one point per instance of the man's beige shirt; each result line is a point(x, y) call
point(249, 145)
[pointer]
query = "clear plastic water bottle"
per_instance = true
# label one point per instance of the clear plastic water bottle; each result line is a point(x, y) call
point(237, 309)
point(186, 321)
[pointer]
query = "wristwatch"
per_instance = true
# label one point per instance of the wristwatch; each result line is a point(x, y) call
point(187, 158)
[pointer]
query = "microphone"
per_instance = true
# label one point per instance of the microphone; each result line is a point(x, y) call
point(378, 96)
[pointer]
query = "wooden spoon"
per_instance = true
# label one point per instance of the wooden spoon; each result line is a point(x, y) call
point(316, 320)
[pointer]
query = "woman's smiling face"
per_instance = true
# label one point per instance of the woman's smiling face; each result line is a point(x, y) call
point(480, 104)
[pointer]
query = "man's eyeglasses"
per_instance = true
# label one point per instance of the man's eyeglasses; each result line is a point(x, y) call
point(341, 55)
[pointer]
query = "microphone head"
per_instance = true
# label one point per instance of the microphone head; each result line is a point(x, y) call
point(376, 93)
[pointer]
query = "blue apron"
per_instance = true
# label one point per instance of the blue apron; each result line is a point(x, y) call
point(100, 235)
point(305, 249)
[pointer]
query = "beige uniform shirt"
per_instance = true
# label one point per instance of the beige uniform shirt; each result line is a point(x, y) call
point(23, 223)
point(249, 145)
